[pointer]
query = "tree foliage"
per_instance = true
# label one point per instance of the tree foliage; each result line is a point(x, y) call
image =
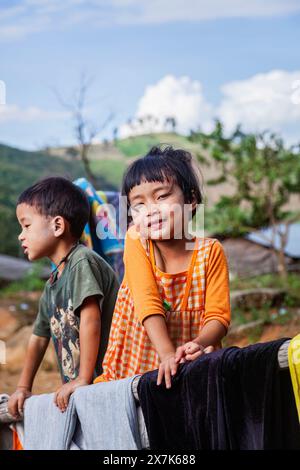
point(262, 173)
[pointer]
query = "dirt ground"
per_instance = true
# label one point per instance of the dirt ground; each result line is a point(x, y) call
point(17, 314)
point(45, 382)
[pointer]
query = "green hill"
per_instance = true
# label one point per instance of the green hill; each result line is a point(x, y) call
point(139, 145)
point(110, 159)
point(18, 170)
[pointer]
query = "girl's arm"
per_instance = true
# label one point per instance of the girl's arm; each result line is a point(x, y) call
point(147, 303)
point(156, 328)
point(217, 291)
point(217, 308)
point(208, 340)
point(140, 278)
point(211, 334)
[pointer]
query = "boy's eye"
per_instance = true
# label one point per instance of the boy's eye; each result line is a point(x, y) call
point(137, 207)
point(26, 226)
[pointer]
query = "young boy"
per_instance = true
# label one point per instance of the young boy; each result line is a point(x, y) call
point(77, 304)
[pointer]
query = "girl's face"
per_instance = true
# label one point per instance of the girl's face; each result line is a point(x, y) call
point(157, 209)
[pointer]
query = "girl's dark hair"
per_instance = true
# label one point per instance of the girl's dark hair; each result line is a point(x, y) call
point(58, 196)
point(165, 163)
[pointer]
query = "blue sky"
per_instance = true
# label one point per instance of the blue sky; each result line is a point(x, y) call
point(240, 64)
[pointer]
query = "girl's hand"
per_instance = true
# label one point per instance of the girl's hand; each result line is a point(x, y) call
point(62, 395)
point(190, 351)
point(167, 368)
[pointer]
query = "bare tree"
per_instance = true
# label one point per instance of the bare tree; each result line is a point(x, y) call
point(85, 131)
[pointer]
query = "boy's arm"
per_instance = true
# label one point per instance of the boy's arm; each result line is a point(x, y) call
point(34, 355)
point(35, 352)
point(89, 339)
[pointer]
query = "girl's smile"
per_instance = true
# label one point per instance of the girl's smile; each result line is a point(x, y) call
point(157, 209)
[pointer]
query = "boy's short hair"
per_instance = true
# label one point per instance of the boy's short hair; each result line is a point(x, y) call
point(58, 196)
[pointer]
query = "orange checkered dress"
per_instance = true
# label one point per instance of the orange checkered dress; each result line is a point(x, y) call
point(130, 350)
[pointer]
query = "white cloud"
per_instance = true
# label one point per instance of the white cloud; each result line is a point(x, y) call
point(161, 11)
point(180, 98)
point(264, 101)
point(2, 93)
point(32, 16)
point(13, 113)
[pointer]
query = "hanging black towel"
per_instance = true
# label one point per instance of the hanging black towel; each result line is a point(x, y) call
point(233, 398)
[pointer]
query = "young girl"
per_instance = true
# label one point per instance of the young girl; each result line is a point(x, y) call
point(173, 304)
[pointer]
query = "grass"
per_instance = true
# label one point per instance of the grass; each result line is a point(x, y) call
point(267, 313)
point(242, 317)
point(255, 334)
point(112, 170)
point(279, 316)
point(291, 285)
point(138, 145)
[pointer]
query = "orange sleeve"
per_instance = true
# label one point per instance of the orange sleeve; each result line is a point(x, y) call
point(140, 278)
point(217, 298)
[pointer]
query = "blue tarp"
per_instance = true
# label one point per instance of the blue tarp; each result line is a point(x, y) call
point(293, 245)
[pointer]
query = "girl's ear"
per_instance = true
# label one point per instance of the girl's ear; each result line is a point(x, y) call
point(193, 200)
point(59, 226)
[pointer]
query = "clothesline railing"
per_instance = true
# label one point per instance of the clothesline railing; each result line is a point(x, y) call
point(5, 417)
point(282, 356)
point(283, 361)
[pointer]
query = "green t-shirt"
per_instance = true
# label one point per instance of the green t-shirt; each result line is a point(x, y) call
point(85, 274)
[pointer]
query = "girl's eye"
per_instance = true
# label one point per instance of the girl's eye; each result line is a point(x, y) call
point(26, 226)
point(163, 196)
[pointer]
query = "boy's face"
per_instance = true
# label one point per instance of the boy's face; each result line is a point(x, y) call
point(37, 236)
point(158, 209)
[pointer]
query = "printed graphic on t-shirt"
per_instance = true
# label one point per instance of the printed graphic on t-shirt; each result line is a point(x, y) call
point(64, 326)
